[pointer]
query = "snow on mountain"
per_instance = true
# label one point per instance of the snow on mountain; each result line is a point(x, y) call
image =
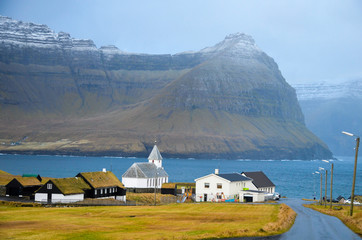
point(13, 32)
point(326, 90)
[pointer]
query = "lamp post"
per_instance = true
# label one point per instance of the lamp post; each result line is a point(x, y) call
point(332, 166)
point(321, 188)
point(355, 168)
point(314, 192)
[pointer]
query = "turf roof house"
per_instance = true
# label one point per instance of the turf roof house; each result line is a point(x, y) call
point(260, 182)
point(144, 176)
point(103, 184)
point(63, 190)
point(85, 185)
point(24, 186)
point(5, 178)
point(221, 187)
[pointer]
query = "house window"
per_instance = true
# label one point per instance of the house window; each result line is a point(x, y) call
point(207, 185)
point(219, 185)
point(105, 191)
point(101, 191)
point(95, 192)
point(49, 186)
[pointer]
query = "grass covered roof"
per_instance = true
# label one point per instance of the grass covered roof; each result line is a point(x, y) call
point(101, 179)
point(5, 178)
point(70, 185)
point(28, 181)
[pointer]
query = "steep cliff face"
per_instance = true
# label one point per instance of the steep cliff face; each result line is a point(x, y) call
point(331, 108)
point(225, 101)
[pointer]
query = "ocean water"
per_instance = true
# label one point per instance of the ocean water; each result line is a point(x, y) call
point(293, 178)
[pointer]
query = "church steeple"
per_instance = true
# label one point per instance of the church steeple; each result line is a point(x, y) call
point(155, 157)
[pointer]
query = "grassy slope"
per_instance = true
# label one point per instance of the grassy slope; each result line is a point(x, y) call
point(177, 221)
point(354, 222)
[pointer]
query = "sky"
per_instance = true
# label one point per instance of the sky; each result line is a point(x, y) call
point(310, 40)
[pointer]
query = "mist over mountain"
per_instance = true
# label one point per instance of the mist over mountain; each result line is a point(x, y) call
point(330, 108)
point(69, 97)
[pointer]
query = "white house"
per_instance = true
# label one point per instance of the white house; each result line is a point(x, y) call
point(221, 187)
point(260, 182)
point(149, 174)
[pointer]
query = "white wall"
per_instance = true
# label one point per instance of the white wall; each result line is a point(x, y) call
point(257, 197)
point(229, 189)
point(121, 198)
point(67, 198)
point(143, 182)
point(41, 197)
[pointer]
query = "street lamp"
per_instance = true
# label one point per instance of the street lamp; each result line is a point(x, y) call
point(330, 206)
point(321, 188)
point(355, 168)
point(314, 192)
point(325, 189)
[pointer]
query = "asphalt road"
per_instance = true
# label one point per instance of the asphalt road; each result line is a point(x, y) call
point(311, 224)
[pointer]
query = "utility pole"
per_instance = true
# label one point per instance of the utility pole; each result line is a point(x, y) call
point(355, 169)
point(354, 176)
point(320, 199)
point(325, 192)
point(330, 206)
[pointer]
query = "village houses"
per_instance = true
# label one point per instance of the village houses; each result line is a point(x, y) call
point(102, 184)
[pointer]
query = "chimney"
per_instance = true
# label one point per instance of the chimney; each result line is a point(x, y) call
point(216, 171)
point(104, 170)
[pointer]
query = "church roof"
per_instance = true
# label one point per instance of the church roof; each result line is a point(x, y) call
point(155, 154)
point(144, 170)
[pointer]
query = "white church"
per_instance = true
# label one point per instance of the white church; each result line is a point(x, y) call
point(149, 174)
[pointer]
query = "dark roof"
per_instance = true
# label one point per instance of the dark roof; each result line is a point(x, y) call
point(259, 179)
point(340, 197)
point(233, 177)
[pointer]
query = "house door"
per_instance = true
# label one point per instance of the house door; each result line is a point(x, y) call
point(49, 198)
point(205, 197)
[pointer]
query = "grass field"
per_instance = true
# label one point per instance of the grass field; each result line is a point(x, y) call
point(354, 222)
point(175, 221)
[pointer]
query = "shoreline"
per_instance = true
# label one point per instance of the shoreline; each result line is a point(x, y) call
point(120, 154)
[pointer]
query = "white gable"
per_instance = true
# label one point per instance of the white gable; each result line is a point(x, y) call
point(155, 157)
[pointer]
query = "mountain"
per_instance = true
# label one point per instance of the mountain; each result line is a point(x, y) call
point(60, 95)
point(330, 108)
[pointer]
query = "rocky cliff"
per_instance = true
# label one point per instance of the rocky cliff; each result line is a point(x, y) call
point(69, 97)
point(329, 109)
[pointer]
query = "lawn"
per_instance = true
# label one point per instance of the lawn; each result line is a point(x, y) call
point(175, 221)
point(342, 212)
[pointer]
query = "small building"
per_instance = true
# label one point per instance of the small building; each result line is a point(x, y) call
point(341, 199)
point(144, 176)
point(5, 178)
point(254, 196)
point(23, 186)
point(62, 190)
point(221, 187)
point(260, 182)
point(103, 184)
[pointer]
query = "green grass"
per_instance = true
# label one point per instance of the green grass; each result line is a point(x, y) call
point(175, 221)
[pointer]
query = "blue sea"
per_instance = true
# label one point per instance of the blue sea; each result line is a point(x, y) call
point(293, 178)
